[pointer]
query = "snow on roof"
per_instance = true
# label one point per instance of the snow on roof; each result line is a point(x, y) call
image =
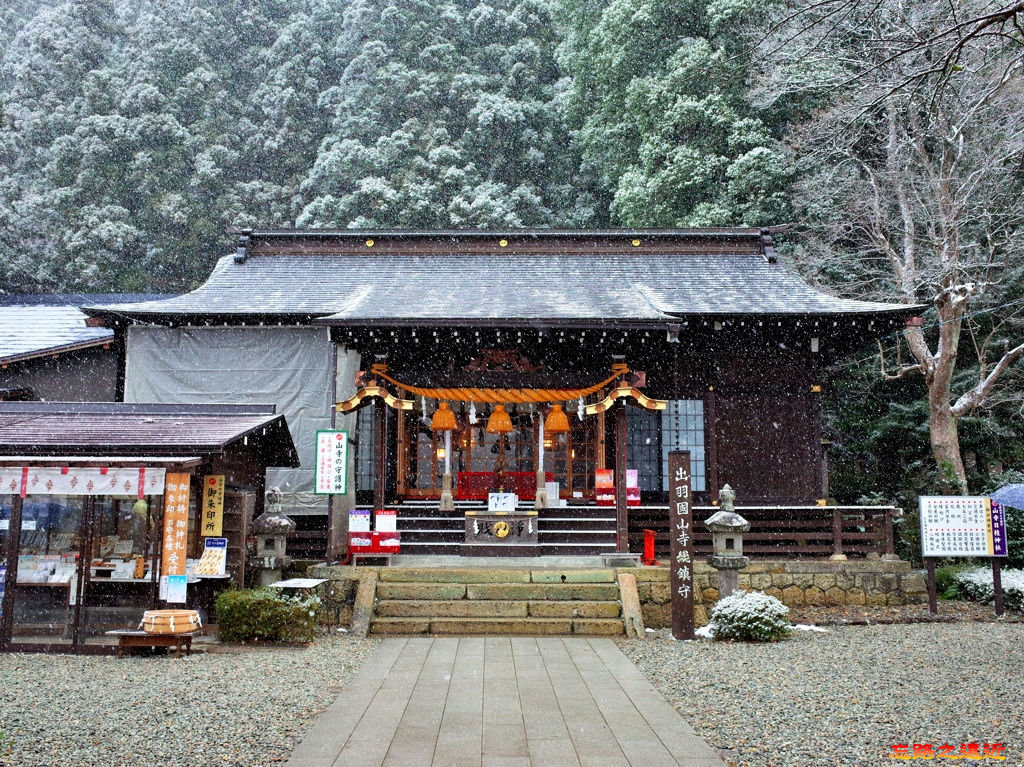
point(34, 331)
point(38, 325)
point(352, 278)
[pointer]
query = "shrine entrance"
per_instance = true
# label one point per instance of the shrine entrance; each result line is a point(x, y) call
point(460, 444)
point(477, 456)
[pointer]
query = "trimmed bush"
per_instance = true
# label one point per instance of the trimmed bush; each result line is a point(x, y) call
point(976, 585)
point(751, 617)
point(245, 615)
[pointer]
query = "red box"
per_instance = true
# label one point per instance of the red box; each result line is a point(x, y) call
point(374, 543)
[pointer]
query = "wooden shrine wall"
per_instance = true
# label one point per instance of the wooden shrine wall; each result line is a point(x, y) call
point(762, 419)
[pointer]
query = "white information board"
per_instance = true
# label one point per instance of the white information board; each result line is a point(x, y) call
point(956, 526)
point(331, 462)
point(502, 502)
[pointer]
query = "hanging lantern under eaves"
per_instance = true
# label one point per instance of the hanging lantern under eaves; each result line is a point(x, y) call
point(499, 422)
point(557, 421)
point(444, 418)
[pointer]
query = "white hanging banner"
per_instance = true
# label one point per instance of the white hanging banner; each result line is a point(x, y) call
point(76, 480)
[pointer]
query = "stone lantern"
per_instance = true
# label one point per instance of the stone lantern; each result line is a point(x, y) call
point(727, 528)
point(272, 529)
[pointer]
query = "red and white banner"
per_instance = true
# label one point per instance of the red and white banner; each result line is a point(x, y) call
point(75, 480)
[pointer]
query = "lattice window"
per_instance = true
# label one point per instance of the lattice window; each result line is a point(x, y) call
point(643, 447)
point(365, 449)
point(652, 435)
point(682, 428)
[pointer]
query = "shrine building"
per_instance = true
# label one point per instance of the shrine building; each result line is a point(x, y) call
point(545, 363)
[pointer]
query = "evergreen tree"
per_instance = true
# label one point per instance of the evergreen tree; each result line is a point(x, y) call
point(657, 98)
point(445, 115)
point(61, 229)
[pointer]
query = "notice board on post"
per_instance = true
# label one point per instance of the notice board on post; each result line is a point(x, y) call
point(961, 526)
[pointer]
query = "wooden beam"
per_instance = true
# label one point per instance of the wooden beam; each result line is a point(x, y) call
point(621, 509)
point(380, 490)
point(11, 574)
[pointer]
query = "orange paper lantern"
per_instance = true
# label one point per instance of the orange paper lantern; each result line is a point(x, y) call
point(443, 419)
point(557, 421)
point(499, 422)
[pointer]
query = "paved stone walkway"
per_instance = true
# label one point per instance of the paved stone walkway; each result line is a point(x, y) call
point(501, 702)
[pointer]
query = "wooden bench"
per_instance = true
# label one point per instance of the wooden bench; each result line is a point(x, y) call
point(128, 638)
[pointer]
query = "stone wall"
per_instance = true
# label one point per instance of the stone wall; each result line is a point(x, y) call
point(795, 582)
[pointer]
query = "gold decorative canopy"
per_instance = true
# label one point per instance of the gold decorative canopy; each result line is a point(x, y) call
point(500, 397)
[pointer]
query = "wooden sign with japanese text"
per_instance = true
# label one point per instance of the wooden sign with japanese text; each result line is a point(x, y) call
point(213, 506)
point(175, 543)
point(680, 517)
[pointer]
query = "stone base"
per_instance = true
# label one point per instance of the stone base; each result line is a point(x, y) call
point(795, 582)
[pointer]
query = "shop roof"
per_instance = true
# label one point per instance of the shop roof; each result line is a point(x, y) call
point(119, 428)
point(369, 277)
point(40, 325)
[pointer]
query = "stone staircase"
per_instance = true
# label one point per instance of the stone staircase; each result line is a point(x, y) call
point(497, 601)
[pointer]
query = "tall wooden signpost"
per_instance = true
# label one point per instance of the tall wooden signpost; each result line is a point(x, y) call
point(680, 508)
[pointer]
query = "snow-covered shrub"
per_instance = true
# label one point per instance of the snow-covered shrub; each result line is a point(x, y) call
point(976, 585)
point(751, 616)
point(264, 614)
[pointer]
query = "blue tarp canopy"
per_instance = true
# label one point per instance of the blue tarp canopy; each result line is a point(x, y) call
point(1009, 495)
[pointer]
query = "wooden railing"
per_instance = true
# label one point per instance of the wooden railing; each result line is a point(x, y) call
point(782, 531)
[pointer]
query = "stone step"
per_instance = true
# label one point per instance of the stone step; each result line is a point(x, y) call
point(480, 608)
point(590, 592)
point(568, 609)
point(453, 575)
point(498, 626)
point(496, 575)
point(420, 590)
point(457, 608)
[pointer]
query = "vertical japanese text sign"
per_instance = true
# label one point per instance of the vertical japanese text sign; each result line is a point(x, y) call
point(331, 474)
point(680, 515)
point(176, 489)
point(213, 505)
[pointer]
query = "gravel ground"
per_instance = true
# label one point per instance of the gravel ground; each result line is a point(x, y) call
point(844, 697)
point(245, 708)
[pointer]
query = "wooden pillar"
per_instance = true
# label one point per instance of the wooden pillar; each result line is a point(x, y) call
point(621, 509)
point(11, 576)
point(680, 530)
point(933, 600)
point(380, 490)
point(86, 534)
point(997, 585)
point(837, 534)
point(405, 447)
point(711, 440)
point(334, 527)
